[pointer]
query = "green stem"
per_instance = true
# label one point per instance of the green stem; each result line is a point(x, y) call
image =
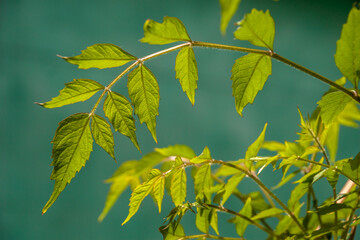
point(209, 236)
point(261, 185)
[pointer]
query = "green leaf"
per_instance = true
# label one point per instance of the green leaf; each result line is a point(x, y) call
point(119, 111)
point(350, 114)
point(352, 167)
point(332, 140)
point(331, 208)
point(158, 191)
point(249, 75)
point(101, 56)
point(347, 57)
point(177, 150)
point(255, 147)
point(170, 232)
point(72, 146)
point(204, 156)
point(76, 91)
point(214, 220)
point(202, 220)
point(296, 195)
point(332, 176)
point(202, 182)
point(171, 30)
point(178, 187)
point(267, 213)
point(331, 105)
point(258, 28)
point(102, 134)
point(228, 9)
point(187, 72)
point(141, 191)
point(241, 224)
point(231, 185)
point(144, 95)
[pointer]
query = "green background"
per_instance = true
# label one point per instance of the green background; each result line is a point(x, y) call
point(32, 32)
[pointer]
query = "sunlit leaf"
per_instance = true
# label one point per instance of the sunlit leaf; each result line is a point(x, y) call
point(202, 182)
point(267, 213)
point(202, 220)
point(241, 224)
point(231, 185)
point(177, 150)
point(273, 146)
point(350, 115)
point(169, 232)
point(258, 28)
point(178, 187)
point(119, 111)
point(332, 104)
point(187, 72)
point(332, 176)
point(144, 95)
point(332, 140)
point(101, 56)
point(255, 147)
point(204, 156)
point(347, 57)
point(214, 220)
point(158, 191)
point(228, 9)
point(249, 75)
point(102, 134)
point(171, 30)
point(72, 146)
point(296, 194)
point(352, 167)
point(76, 91)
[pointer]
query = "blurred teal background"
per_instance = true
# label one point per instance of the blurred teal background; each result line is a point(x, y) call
point(32, 32)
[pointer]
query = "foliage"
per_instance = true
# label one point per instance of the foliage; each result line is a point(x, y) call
point(311, 158)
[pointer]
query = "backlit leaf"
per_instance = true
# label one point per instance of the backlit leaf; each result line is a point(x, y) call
point(202, 220)
point(202, 182)
point(332, 140)
point(249, 75)
point(214, 220)
point(258, 28)
point(101, 56)
point(187, 72)
point(177, 150)
point(228, 9)
point(119, 111)
point(255, 147)
point(144, 95)
point(178, 187)
point(158, 191)
point(332, 104)
point(231, 185)
point(347, 57)
point(267, 213)
point(72, 146)
point(76, 91)
point(171, 30)
point(352, 167)
point(169, 232)
point(141, 192)
point(102, 134)
point(204, 156)
point(241, 224)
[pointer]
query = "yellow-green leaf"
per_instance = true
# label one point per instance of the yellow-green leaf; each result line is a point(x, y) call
point(119, 111)
point(178, 187)
point(102, 134)
point(171, 30)
point(202, 182)
point(228, 9)
point(214, 220)
point(267, 213)
point(331, 105)
point(231, 185)
point(347, 57)
point(258, 28)
point(158, 191)
point(241, 224)
point(72, 146)
point(171, 232)
point(254, 148)
point(249, 75)
point(204, 156)
point(144, 95)
point(177, 150)
point(202, 220)
point(101, 56)
point(187, 72)
point(75, 91)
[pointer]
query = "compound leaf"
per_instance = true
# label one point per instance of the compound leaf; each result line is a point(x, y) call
point(347, 57)
point(171, 30)
point(249, 75)
point(228, 9)
point(258, 28)
point(331, 105)
point(75, 91)
point(187, 72)
point(119, 111)
point(144, 95)
point(72, 146)
point(141, 191)
point(178, 187)
point(102, 134)
point(101, 56)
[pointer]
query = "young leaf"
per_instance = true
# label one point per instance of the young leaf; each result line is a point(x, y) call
point(202, 220)
point(101, 56)
point(249, 75)
point(72, 146)
point(228, 9)
point(75, 91)
point(187, 72)
point(144, 95)
point(178, 187)
point(241, 224)
point(158, 191)
point(141, 192)
point(255, 147)
point(258, 28)
point(331, 105)
point(177, 150)
point(231, 185)
point(119, 111)
point(267, 213)
point(347, 57)
point(171, 30)
point(170, 232)
point(102, 134)
point(332, 140)
point(204, 156)
point(202, 182)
